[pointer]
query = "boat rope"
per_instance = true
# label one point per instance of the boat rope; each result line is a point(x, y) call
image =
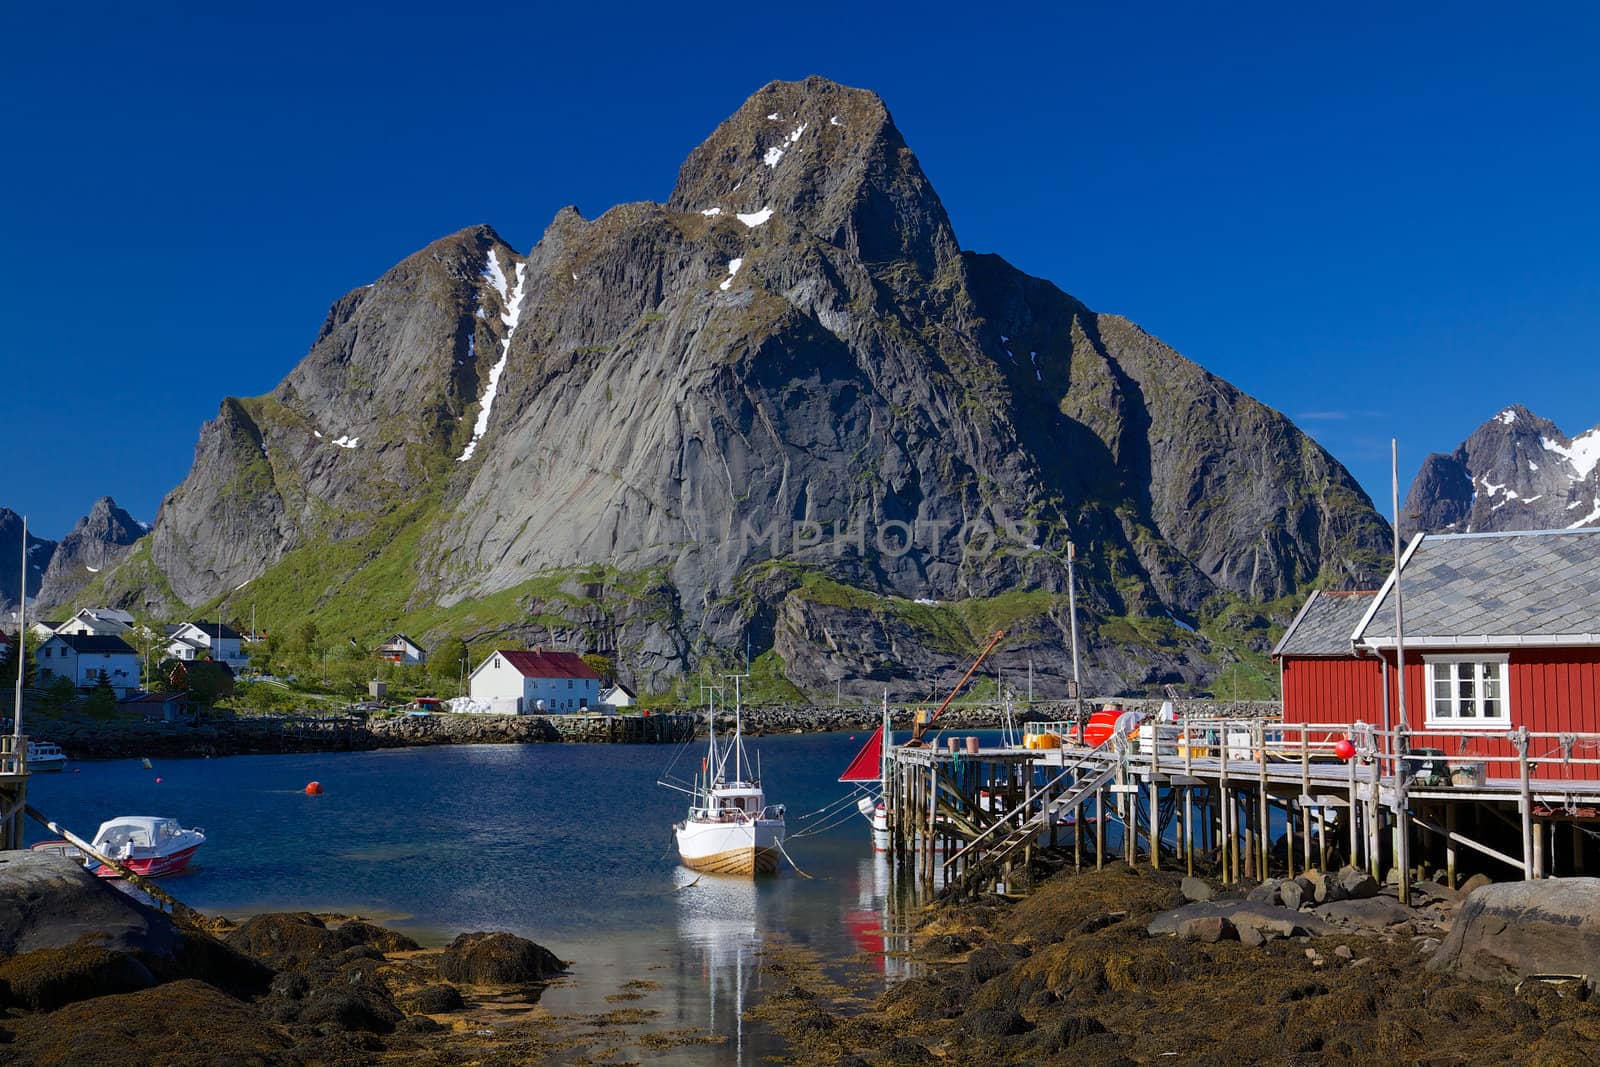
point(832, 803)
point(839, 818)
point(792, 863)
point(687, 885)
point(847, 802)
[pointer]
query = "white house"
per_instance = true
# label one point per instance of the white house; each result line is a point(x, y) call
point(401, 649)
point(618, 696)
point(532, 683)
point(97, 622)
point(198, 640)
point(82, 657)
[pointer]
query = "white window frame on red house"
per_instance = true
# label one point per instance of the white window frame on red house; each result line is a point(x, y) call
point(1481, 674)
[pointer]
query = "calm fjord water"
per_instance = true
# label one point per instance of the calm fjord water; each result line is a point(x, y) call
point(570, 845)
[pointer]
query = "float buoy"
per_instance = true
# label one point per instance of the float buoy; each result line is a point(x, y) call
point(313, 789)
point(1344, 749)
point(158, 781)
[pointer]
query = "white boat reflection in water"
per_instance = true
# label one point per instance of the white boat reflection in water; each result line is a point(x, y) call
point(718, 934)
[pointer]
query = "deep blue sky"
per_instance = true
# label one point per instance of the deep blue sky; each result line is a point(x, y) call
point(1382, 224)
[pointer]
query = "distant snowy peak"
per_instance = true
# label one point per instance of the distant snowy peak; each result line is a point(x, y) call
point(1518, 471)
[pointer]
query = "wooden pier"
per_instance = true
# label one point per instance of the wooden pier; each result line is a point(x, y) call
point(13, 789)
point(1247, 799)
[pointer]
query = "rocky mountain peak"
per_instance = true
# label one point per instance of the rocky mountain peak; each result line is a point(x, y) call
point(782, 406)
point(1517, 471)
point(98, 541)
point(826, 159)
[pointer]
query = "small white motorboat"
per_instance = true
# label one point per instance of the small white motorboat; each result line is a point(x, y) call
point(147, 844)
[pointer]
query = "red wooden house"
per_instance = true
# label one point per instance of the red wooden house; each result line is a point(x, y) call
point(1501, 630)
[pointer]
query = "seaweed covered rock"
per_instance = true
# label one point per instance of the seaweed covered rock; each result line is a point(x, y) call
point(432, 999)
point(497, 959)
point(47, 979)
point(286, 940)
point(298, 939)
point(178, 1024)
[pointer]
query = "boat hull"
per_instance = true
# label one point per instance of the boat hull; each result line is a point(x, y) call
point(45, 765)
point(741, 848)
point(748, 860)
point(152, 866)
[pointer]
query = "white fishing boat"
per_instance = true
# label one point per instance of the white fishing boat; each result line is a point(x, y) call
point(45, 756)
point(730, 829)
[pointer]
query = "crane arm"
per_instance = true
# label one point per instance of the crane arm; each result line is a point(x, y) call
point(918, 728)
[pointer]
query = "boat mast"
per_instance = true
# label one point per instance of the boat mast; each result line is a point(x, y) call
point(738, 733)
point(21, 650)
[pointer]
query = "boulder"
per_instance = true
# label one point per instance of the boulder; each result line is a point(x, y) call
point(1292, 893)
point(497, 959)
point(1357, 884)
point(1511, 930)
point(1196, 889)
point(70, 936)
point(1477, 881)
point(1250, 936)
point(1207, 929)
point(1373, 913)
point(1277, 921)
point(1265, 893)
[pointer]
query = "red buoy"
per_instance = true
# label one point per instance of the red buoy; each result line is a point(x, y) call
point(313, 789)
point(158, 781)
point(1344, 749)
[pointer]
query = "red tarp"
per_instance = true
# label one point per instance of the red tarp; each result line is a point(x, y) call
point(868, 764)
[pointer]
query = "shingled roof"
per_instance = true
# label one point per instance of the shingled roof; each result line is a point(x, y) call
point(1538, 587)
point(541, 664)
point(1325, 623)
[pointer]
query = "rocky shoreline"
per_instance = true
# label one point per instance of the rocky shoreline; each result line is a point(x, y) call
point(1122, 966)
point(1133, 966)
point(90, 975)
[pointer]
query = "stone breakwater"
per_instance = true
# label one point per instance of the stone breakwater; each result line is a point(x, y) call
point(817, 718)
point(285, 734)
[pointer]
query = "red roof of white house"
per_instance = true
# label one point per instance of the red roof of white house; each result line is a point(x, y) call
point(549, 664)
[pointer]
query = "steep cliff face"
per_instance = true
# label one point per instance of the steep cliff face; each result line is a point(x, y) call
point(39, 552)
point(100, 540)
point(1517, 471)
point(782, 400)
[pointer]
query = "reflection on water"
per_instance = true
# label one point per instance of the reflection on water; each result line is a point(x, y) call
point(719, 935)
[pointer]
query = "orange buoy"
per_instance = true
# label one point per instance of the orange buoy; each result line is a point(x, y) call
point(313, 789)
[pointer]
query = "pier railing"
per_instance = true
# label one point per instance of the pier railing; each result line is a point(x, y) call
point(13, 755)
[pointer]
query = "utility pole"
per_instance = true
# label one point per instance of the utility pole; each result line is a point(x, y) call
point(1072, 608)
